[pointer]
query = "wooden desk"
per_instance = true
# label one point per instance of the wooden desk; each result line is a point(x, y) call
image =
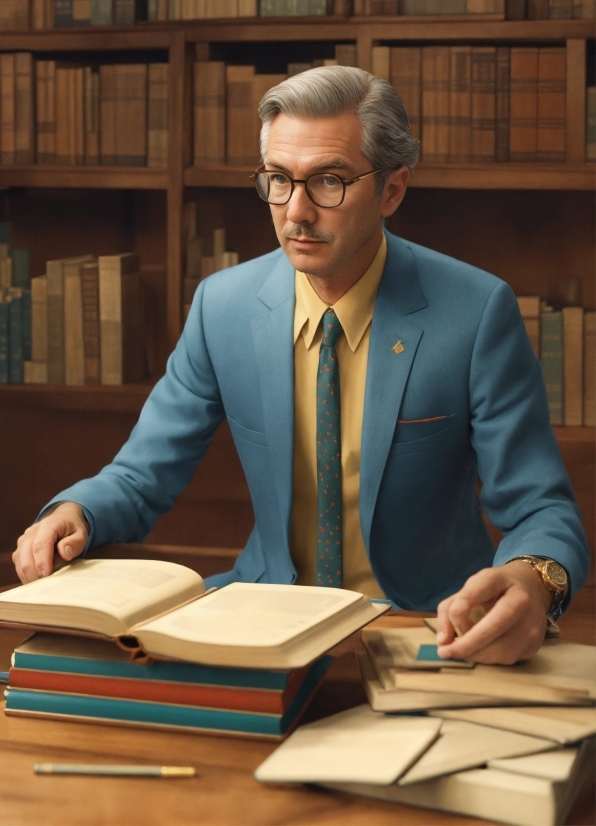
point(224, 792)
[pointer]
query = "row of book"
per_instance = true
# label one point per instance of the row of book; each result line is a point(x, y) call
point(565, 342)
point(15, 308)
point(505, 9)
point(513, 744)
point(55, 113)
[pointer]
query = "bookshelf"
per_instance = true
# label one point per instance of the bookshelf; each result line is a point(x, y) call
point(500, 216)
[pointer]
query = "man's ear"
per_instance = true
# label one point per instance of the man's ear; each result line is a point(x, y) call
point(395, 189)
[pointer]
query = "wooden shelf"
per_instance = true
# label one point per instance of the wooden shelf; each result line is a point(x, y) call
point(125, 398)
point(84, 177)
point(445, 176)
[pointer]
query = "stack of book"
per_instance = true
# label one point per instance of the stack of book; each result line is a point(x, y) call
point(141, 643)
point(481, 104)
point(56, 113)
point(515, 743)
point(15, 308)
point(565, 342)
point(205, 254)
point(226, 98)
point(87, 322)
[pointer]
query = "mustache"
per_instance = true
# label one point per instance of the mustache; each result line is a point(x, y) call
point(306, 231)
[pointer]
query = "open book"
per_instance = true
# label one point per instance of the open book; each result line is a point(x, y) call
point(161, 610)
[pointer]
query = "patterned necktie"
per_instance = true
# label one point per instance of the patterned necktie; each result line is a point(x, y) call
point(329, 570)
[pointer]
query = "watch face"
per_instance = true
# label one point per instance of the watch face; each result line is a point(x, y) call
point(556, 573)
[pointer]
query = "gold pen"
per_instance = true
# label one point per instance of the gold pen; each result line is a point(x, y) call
point(114, 770)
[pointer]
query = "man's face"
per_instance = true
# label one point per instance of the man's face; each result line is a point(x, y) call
point(325, 243)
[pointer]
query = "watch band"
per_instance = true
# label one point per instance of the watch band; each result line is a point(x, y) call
point(558, 590)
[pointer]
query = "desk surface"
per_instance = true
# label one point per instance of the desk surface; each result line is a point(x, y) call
point(224, 791)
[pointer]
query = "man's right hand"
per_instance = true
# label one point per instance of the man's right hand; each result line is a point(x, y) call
point(64, 532)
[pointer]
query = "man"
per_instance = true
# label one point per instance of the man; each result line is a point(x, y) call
point(367, 382)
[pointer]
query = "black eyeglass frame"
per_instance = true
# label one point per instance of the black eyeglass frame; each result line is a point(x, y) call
point(304, 181)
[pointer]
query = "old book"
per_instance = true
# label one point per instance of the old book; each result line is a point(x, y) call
point(128, 12)
point(463, 745)
point(357, 745)
point(6, 273)
point(35, 372)
point(484, 77)
point(515, 9)
point(107, 114)
point(584, 9)
point(122, 349)
point(257, 626)
point(380, 62)
point(24, 108)
point(239, 115)
point(573, 369)
point(50, 109)
point(39, 319)
point(70, 127)
point(7, 108)
point(435, 104)
point(81, 12)
point(91, 115)
point(560, 723)
point(537, 9)
point(460, 105)
point(157, 115)
point(130, 116)
point(502, 105)
point(62, 13)
point(529, 307)
point(247, 8)
point(21, 268)
point(345, 54)
point(591, 123)
point(44, 114)
point(560, 673)
point(523, 104)
point(560, 9)
point(435, 7)
point(55, 317)
point(77, 116)
point(102, 12)
point(400, 648)
point(492, 7)
point(14, 15)
point(589, 402)
point(74, 353)
point(551, 358)
point(90, 314)
point(209, 112)
point(406, 78)
point(401, 700)
point(552, 72)
point(508, 796)
point(260, 85)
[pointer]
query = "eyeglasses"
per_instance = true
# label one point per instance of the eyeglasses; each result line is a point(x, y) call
point(323, 188)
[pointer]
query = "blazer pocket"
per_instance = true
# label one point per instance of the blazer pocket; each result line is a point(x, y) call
point(414, 436)
point(253, 437)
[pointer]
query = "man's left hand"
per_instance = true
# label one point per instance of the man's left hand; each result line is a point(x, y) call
point(513, 628)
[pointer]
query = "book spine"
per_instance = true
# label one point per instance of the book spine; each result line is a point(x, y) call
point(102, 12)
point(90, 305)
point(81, 12)
point(345, 54)
point(209, 112)
point(110, 319)
point(551, 358)
point(24, 109)
point(381, 57)
point(50, 95)
point(584, 9)
point(4, 307)
point(157, 117)
point(239, 114)
point(107, 109)
point(73, 706)
point(552, 73)
point(460, 102)
point(74, 363)
point(484, 78)
point(515, 9)
point(406, 78)
point(232, 699)
point(502, 105)
point(560, 9)
point(78, 95)
point(435, 7)
point(589, 400)
point(523, 104)
point(15, 340)
point(62, 13)
point(435, 104)
point(38, 21)
point(591, 123)
point(131, 114)
point(573, 351)
point(62, 112)
point(39, 319)
point(537, 9)
point(55, 304)
point(21, 269)
point(91, 115)
point(7, 108)
point(26, 324)
point(41, 115)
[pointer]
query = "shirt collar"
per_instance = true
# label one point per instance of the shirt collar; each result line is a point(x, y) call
point(354, 309)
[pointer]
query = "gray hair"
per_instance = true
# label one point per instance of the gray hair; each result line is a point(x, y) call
point(329, 91)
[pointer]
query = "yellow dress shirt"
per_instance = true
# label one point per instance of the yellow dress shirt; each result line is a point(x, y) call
point(355, 312)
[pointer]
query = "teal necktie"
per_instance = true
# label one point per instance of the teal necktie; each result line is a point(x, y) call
point(329, 569)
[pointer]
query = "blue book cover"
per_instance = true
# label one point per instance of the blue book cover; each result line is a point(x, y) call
point(15, 340)
point(163, 714)
point(99, 658)
point(4, 305)
point(21, 273)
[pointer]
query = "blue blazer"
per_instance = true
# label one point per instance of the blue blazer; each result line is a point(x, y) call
point(465, 399)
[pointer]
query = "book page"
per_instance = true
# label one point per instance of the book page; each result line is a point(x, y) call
point(561, 723)
point(249, 614)
point(127, 590)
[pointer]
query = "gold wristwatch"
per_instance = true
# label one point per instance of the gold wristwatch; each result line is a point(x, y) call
point(553, 576)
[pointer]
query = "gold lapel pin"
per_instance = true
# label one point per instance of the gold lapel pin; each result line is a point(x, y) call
point(398, 347)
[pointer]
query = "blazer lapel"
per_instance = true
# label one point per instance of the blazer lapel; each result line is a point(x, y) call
point(387, 372)
point(273, 342)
